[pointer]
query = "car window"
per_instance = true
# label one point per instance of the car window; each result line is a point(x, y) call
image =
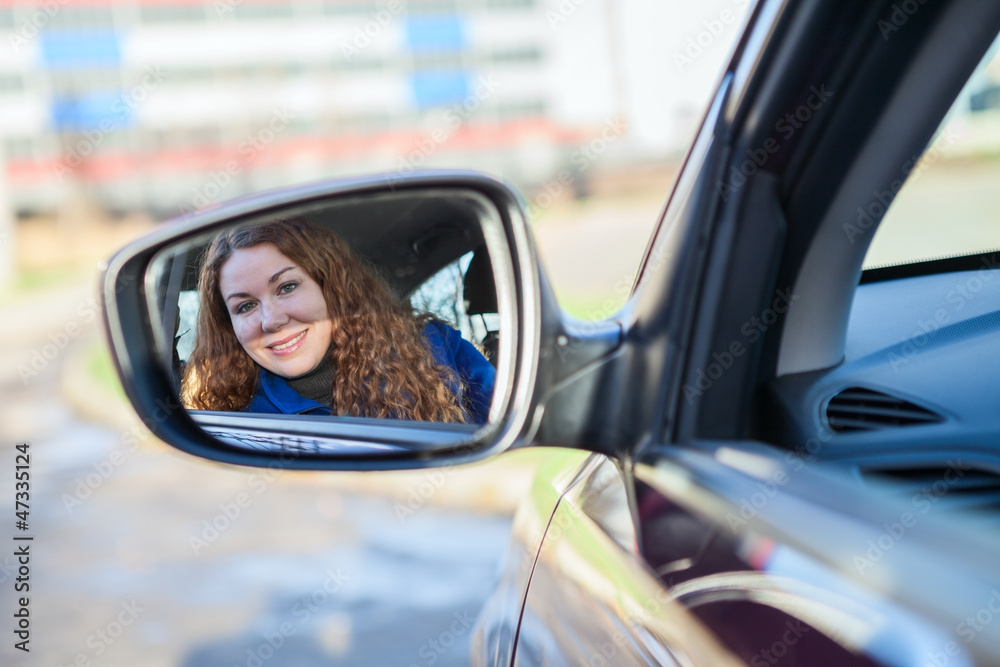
point(443, 296)
point(949, 205)
point(187, 303)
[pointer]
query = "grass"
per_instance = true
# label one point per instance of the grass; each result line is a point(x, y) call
point(28, 281)
point(102, 370)
point(591, 307)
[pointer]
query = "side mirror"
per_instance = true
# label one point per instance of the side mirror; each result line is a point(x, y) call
point(210, 377)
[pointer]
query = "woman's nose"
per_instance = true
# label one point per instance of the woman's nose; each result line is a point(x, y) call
point(272, 317)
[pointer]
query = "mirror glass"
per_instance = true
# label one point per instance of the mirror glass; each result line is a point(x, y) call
point(358, 324)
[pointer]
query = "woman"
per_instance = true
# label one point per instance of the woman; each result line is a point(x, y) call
point(292, 322)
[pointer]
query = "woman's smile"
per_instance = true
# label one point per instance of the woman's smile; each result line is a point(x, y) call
point(288, 345)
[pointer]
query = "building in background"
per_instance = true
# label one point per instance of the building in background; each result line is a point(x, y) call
point(169, 105)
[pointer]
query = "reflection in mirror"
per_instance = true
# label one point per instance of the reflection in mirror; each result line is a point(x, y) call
point(380, 311)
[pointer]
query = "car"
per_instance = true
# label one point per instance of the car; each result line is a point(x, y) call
point(770, 454)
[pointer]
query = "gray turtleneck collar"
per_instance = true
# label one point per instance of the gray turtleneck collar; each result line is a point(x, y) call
point(317, 384)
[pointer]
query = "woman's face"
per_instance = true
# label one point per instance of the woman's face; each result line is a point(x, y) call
point(277, 310)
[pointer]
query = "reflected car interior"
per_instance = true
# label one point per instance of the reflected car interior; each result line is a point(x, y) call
point(407, 238)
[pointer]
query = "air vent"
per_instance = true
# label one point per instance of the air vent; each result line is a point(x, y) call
point(954, 484)
point(857, 409)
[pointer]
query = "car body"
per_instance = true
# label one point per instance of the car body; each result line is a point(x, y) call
point(720, 493)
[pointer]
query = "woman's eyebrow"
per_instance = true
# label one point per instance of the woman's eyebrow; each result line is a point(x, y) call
point(270, 281)
point(278, 274)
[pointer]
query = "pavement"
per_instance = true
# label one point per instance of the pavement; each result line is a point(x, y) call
point(143, 555)
point(59, 326)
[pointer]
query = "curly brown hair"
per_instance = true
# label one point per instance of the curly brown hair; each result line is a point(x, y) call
point(384, 367)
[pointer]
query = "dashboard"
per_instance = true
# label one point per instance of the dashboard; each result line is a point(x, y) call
point(916, 399)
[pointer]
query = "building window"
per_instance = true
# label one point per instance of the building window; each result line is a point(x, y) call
point(520, 55)
point(348, 8)
point(362, 64)
point(156, 13)
point(431, 7)
point(521, 109)
point(263, 10)
point(179, 76)
point(83, 16)
point(430, 60)
point(510, 4)
point(208, 135)
point(11, 82)
point(70, 83)
point(94, 142)
point(376, 120)
point(18, 148)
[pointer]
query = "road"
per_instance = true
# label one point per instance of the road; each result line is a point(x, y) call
point(145, 556)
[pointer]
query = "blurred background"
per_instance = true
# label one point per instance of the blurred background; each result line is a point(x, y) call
point(117, 116)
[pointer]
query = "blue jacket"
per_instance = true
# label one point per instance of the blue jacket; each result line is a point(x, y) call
point(274, 395)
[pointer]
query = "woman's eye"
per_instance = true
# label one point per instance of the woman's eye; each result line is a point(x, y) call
point(243, 307)
point(287, 287)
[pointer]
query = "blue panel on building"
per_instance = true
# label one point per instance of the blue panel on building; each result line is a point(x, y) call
point(103, 112)
point(80, 49)
point(435, 34)
point(439, 88)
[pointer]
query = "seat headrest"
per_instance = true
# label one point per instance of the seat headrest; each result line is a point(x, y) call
point(479, 289)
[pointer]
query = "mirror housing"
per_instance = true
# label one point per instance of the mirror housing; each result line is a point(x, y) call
point(532, 327)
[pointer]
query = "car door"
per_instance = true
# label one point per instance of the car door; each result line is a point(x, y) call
point(700, 510)
point(721, 537)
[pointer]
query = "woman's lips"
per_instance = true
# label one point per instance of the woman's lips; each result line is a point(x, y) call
point(288, 345)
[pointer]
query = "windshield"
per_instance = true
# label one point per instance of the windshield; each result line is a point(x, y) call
point(949, 205)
